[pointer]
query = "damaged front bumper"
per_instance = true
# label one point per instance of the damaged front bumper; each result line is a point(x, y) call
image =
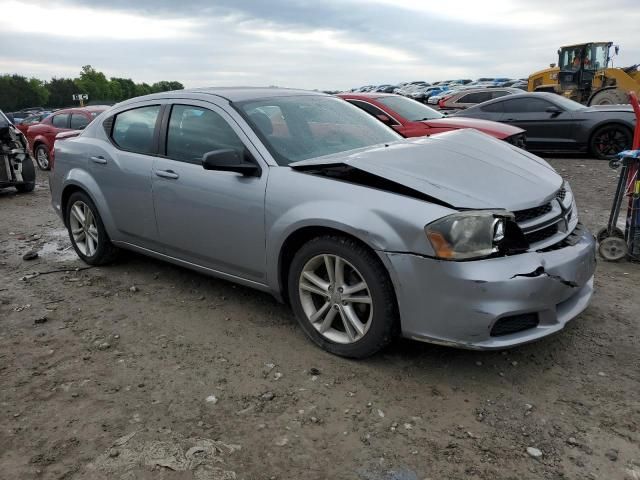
point(493, 303)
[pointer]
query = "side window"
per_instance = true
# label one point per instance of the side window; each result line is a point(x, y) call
point(499, 93)
point(477, 97)
point(78, 121)
point(194, 131)
point(60, 121)
point(372, 110)
point(525, 105)
point(133, 129)
point(497, 107)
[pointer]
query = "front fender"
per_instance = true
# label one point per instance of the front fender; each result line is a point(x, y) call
point(380, 219)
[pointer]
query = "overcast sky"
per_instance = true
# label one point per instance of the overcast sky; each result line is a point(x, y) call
point(324, 44)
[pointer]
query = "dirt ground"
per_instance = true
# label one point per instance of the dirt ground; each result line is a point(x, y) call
point(189, 377)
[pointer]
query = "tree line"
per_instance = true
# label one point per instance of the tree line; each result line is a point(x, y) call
point(18, 92)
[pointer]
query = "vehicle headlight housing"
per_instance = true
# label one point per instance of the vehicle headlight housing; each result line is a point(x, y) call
point(468, 235)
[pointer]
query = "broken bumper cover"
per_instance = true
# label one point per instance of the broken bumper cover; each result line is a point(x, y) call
point(461, 303)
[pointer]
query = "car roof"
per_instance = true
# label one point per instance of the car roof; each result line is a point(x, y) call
point(368, 95)
point(91, 108)
point(232, 94)
point(546, 95)
point(480, 89)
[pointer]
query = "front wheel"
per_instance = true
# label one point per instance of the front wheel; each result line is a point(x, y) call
point(86, 231)
point(28, 176)
point(42, 157)
point(342, 297)
point(610, 140)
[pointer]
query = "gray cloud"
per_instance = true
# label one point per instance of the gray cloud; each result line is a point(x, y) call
point(330, 44)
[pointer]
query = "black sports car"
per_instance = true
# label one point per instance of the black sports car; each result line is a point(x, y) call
point(555, 123)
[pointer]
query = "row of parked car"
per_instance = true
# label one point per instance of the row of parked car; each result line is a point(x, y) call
point(451, 94)
point(41, 127)
point(541, 122)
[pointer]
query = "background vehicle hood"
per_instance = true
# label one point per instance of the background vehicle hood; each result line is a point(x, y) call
point(465, 169)
point(496, 129)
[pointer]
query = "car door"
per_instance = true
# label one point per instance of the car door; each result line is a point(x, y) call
point(545, 130)
point(122, 167)
point(214, 219)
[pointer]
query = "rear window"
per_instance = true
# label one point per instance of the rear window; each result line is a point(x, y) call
point(60, 121)
point(133, 129)
point(493, 107)
point(79, 121)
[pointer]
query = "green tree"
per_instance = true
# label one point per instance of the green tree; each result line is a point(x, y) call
point(17, 92)
point(93, 83)
point(61, 91)
point(165, 86)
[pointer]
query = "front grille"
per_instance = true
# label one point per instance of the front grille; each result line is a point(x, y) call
point(542, 234)
point(529, 213)
point(514, 324)
point(561, 194)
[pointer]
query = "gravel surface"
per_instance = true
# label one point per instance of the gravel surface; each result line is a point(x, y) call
point(146, 370)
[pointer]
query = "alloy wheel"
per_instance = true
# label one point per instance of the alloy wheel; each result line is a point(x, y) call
point(42, 157)
point(610, 141)
point(335, 298)
point(84, 228)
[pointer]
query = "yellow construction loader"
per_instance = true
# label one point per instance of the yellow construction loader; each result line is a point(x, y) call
point(585, 73)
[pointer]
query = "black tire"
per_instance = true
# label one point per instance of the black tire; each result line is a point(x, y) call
point(28, 176)
point(105, 251)
point(384, 321)
point(612, 96)
point(43, 159)
point(609, 140)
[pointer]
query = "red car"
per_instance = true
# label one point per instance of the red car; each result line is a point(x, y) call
point(41, 136)
point(414, 119)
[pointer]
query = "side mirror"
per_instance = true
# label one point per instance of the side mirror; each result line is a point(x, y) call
point(229, 160)
point(553, 110)
point(617, 49)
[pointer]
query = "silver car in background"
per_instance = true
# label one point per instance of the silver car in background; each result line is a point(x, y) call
point(457, 239)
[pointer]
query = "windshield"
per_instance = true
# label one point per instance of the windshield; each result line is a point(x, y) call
point(410, 109)
point(567, 104)
point(309, 126)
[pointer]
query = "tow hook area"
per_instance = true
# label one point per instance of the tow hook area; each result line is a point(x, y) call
point(540, 271)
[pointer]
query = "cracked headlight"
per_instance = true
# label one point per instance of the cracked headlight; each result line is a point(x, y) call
point(468, 235)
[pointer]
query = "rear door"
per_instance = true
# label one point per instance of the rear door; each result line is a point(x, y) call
point(211, 218)
point(122, 168)
point(545, 130)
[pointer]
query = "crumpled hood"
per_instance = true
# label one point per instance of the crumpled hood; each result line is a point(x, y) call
point(465, 169)
point(486, 126)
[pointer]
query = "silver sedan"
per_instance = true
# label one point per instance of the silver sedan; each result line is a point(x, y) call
point(456, 239)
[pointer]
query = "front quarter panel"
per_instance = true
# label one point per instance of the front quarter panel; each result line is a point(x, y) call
point(384, 221)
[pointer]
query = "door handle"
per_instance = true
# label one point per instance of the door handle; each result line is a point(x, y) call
point(167, 174)
point(510, 120)
point(100, 159)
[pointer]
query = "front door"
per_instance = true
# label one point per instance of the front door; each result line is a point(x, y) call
point(211, 218)
point(545, 130)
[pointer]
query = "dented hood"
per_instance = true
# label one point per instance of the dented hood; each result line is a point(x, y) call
point(464, 168)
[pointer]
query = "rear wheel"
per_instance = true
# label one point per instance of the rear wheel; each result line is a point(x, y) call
point(610, 140)
point(613, 96)
point(86, 231)
point(342, 297)
point(28, 176)
point(42, 157)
